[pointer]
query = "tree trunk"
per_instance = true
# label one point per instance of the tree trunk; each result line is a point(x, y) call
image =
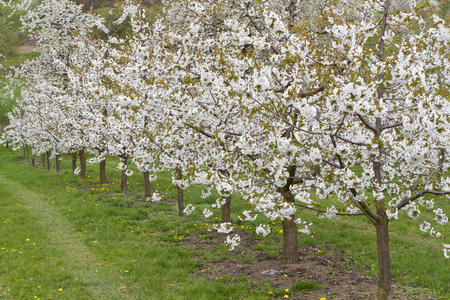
point(148, 187)
point(82, 164)
point(103, 171)
point(384, 261)
point(27, 152)
point(24, 151)
point(290, 239)
point(49, 161)
point(441, 162)
point(226, 214)
point(74, 161)
point(33, 160)
point(43, 160)
point(123, 181)
point(180, 198)
point(57, 164)
point(7, 144)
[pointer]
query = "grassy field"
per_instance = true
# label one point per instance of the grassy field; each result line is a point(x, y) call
point(64, 238)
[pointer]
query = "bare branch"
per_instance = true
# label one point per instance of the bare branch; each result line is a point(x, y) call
point(324, 211)
point(367, 124)
point(391, 126)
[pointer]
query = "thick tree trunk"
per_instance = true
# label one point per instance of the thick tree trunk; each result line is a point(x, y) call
point(226, 214)
point(180, 199)
point(33, 160)
point(290, 239)
point(49, 161)
point(148, 187)
point(57, 164)
point(74, 161)
point(384, 261)
point(123, 181)
point(43, 160)
point(103, 171)
point(82, 164)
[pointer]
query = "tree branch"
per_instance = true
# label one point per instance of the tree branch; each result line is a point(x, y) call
point(324, 211)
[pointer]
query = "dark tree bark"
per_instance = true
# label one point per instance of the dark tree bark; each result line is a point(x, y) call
point(82, 164)
point(24, 151)
point(384, 260)
point(74, 161)
point(27, 152)
point(43, 160)
point(290, 240)
point(226, 213)
point(147, 185)
point(49, 161)
point(123, 181)
point(7, 144)
point(57, 164)
point(103, 171)
point(33, 160)
point(180, 198)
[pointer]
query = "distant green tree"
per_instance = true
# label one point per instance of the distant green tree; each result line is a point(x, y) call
point(9, 24)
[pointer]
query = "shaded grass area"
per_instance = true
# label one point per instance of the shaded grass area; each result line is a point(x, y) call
point(94, 242)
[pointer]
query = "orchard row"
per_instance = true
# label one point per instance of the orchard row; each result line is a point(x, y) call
point(341, 108)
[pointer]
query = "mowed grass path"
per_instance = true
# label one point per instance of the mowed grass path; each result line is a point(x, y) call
point(43, 254)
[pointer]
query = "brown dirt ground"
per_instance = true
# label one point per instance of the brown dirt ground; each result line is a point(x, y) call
point(328, 267)
point(25, 49)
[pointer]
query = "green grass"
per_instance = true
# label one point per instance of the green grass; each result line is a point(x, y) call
point(95, 243)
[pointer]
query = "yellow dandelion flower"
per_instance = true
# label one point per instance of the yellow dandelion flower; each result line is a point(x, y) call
point(281, 231)
point(270, 293)
point(27, 240)
point(323, 298)
point(60, 289)
point(286, 296)
point(286, 290)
